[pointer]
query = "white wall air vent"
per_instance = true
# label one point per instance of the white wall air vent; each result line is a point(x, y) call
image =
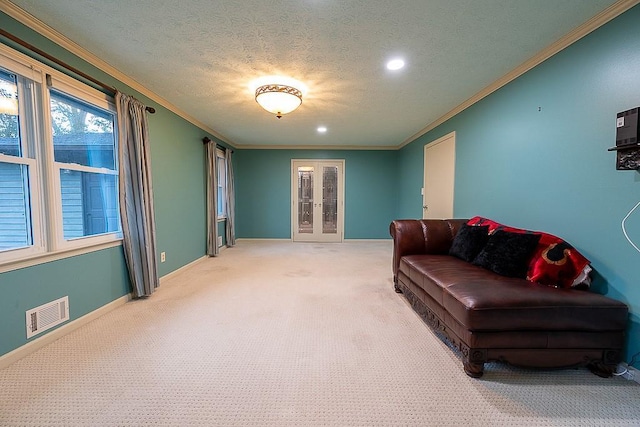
point(47, 316)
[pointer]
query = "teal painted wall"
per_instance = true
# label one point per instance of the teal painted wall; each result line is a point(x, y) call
point(179, 189)
point(263, 191)
point(550, 169)
point(95, 279)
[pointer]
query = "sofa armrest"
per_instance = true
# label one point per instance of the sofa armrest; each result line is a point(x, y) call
point(421, 236)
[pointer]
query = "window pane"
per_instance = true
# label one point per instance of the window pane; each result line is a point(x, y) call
point(305, 200)
point(220, 203)
point(89, 203)
point(15, 210)
point(82, 134)
point(330, 200)
point(9, 123)
point(222, 186)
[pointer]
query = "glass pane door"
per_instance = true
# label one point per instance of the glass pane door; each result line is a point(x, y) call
point(305, 199)
point(330, 199)
point(317, 200)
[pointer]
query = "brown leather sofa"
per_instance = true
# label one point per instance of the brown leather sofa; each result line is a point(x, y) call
point(489, 317)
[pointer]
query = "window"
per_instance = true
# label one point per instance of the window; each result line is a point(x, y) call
point(85, 157)
point(58, 135)
point(221, 166)
point(19, 194)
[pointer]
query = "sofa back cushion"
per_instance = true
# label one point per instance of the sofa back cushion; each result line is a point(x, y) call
point(507, 253)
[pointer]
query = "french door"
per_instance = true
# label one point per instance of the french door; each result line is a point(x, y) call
point(317, 212)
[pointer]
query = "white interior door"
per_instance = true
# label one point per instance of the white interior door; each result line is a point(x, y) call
point(317, 200)
point(439, 175)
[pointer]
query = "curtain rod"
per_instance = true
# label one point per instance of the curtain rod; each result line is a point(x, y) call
point(74, 70)
point(207, 140)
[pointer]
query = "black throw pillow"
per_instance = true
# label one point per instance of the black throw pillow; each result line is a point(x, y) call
point(469, 241)
point(508, 253)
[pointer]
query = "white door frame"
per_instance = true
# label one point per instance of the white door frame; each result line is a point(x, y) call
point(447, 183)
point(339, 236)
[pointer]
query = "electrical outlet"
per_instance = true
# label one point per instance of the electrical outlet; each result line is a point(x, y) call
point(163, 256)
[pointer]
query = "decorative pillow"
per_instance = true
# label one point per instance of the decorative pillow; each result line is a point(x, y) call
point(469, 242)
point(507, 253)
point(554, 262)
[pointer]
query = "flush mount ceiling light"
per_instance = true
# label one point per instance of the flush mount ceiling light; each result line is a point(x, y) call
point(395, 64)
point(278, 99)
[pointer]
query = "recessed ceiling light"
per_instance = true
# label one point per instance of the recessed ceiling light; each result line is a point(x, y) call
point(395, 64)
point(322, 129)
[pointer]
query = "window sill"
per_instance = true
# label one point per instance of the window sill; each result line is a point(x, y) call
point(54, 256)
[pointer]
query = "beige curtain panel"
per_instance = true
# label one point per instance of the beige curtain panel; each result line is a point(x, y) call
point(231, 202)
point(136, 195)
point(212, 200)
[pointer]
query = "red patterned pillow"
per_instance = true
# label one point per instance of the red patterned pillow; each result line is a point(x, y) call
point(554, 262)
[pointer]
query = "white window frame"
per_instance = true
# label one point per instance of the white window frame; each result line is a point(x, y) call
point(28, 78)
point(37, 247)
point(68, 86)
point(44, 173)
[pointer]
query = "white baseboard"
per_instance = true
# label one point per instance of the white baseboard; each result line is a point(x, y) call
point(247, 239)
point(181, 269)
point(32, 346)
point(256, 239)
point(369, 240)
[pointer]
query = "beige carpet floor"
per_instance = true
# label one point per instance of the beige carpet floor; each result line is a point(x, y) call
point(282, 334)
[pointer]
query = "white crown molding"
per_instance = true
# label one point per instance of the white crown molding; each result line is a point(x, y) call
point(43, 29)
point(319, 147)
point(576, 34)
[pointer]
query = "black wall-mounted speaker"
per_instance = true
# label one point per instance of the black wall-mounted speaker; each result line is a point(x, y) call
point(627, 127)
point(627, 141)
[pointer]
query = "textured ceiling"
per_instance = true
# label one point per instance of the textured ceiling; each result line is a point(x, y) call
point(201, 56)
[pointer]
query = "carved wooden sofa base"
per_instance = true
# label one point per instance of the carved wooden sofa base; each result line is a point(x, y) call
point(600, 362)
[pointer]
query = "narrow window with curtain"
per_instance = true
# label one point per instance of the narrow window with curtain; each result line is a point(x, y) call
point(221, 164)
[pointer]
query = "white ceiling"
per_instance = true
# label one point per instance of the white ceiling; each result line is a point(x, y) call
point(201, 55)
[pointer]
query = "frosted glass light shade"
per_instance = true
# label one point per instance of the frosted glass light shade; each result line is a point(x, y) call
point(278, 99)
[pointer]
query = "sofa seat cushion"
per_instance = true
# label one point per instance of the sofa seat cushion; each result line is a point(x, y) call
point(433, 273)
point(482, 300)
point(501, 306)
